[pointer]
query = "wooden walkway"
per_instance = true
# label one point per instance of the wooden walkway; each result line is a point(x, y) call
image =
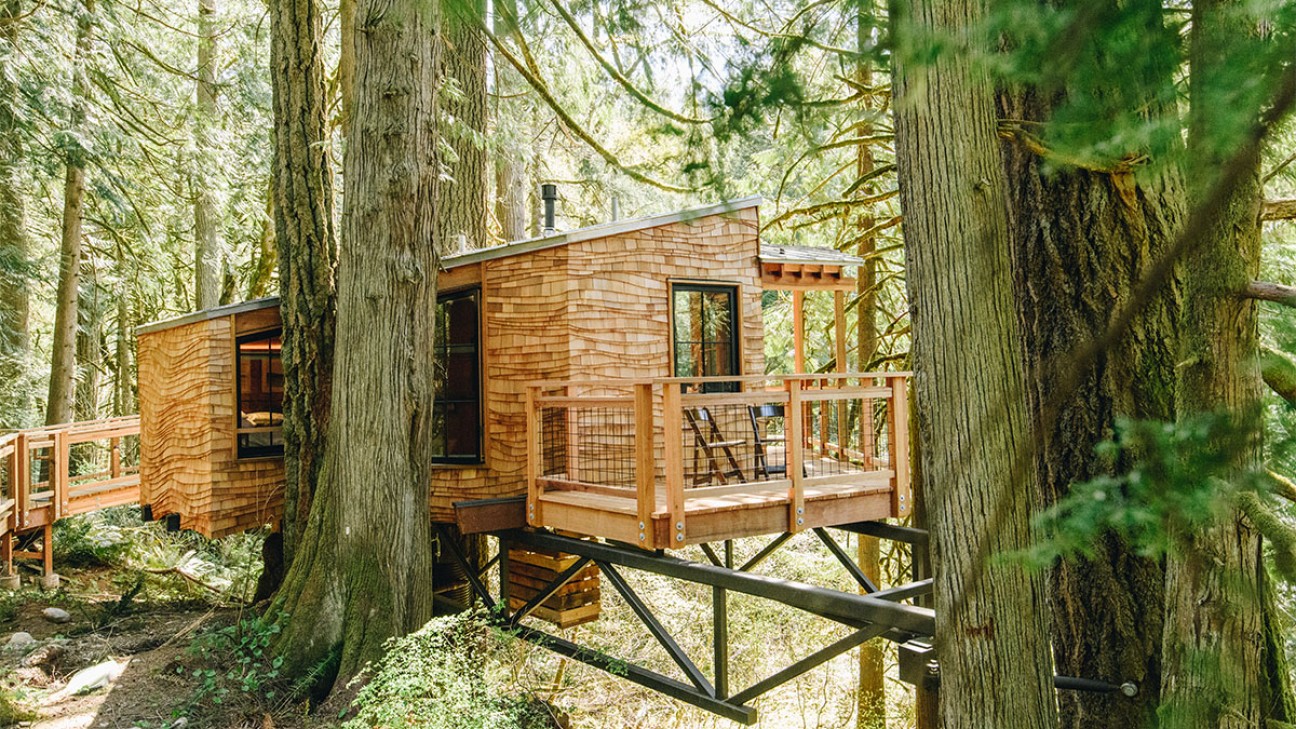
point(53, 472)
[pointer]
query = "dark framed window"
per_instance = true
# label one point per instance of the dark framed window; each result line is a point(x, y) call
point(704, 324)
point(457, 407)
point(260, 395)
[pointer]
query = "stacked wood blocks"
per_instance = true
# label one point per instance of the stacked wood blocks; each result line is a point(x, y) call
point(575, 603)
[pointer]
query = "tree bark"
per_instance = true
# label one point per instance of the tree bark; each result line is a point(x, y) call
point(362, 573)
point(267, 259)
point(993, 647)
point(208, 254)
point(511, 185)
point(1281, 209)
point(1080, 241)
point(1214, 633)
point(1279, 373)
point(462, 205)
point(58, 407)
point(301, 203)
point(89, 347)
point(15, 247)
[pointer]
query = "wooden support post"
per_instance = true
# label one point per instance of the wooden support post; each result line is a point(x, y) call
point(673, 454)
point(573, 437)
point(645, 462)
point(798, 332)
point(6, 552)
point(47, 550)
point(898, 442)
point(795, 457)
point(533, 459)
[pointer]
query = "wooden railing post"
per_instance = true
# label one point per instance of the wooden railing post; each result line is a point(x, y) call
point(795, 442)
point(114, 456)
point(534, 489)
point(573, 437)
point(60, 473)
point(22, 480)
point(898, 445)
point(673, 452)
point(645, 462)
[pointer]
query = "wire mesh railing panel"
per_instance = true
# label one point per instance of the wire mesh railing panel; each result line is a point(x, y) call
point(588, 445)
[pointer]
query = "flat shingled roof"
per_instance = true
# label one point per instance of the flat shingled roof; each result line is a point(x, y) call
point(602, 230)
point(807, 255)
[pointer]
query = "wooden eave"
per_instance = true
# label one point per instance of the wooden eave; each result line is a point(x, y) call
point(780, 276)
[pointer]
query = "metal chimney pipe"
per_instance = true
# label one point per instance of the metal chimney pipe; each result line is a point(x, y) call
point(549, 193)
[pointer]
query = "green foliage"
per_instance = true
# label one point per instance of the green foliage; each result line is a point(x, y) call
point(1182, 475)
point(83, 541)
point(12, 711)
point(236, 662)
point(439, 678)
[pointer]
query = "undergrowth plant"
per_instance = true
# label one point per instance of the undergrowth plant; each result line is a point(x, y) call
point(443, 677)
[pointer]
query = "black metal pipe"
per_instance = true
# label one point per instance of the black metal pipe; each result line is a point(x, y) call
point(549, 194)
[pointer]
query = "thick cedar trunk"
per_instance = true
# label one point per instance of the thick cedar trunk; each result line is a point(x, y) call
point(362, 572)
point(1214, 633)
point(462, 205)
point(993, 647)
point(15, 277)
point(301, 203)
point(58, 407)
point(208, 267)
point(1081, 239)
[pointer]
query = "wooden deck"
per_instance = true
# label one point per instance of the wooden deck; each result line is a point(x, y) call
point(50, 473)
point(662, 464)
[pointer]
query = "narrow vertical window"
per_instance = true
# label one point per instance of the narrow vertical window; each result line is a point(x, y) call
point(704, 321)
point(457, 409)
point(260, 395)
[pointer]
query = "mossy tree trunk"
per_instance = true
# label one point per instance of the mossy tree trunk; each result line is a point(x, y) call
point(462, 206)
point(301, 203)
point(1214, 633)
point(62, 391)
point(994, 651)
point(362, 572)
point(208, 253)
point(1081, 239)
point(15, 246)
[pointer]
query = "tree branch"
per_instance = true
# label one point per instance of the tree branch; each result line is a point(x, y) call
point(1279, 209)
point(1267, 291)
point(1279, 373)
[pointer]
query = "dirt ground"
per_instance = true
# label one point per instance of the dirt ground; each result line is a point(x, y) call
point(149, 642)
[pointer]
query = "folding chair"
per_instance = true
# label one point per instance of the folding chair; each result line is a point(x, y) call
point(708, 439)
point(760, 417)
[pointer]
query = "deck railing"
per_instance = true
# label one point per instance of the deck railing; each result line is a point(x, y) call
point(667, 444)
point(56, 471)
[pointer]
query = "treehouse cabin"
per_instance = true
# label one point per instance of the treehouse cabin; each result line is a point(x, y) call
point(614, 375)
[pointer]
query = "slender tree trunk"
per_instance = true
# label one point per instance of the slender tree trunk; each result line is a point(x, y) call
point(510, 167)
point(267, 253)
point(302, 206)
point(208, 254)
point(58, 407)
point(1081, 239)
point(1214, 634)
point(15, 274)
point(991, 621)
point(462, 205)
point(362, 572)
point(89, 346)
point(123, 394)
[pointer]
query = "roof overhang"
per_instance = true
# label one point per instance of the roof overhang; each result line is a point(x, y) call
point(803, 268)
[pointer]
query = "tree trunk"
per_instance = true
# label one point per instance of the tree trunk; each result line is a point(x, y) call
point(511, 183)
point(267, 254)
point(15, 273)
point(301, 203)
point(208, 266)
point(1214, 633)
point(89, 346)
point(1081, 240)
point(58, 407)
point(123, 395)
point(462, 205)
point(362, 573)
point(993, 651)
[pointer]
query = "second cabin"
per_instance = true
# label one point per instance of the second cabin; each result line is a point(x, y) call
point(615, 374)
